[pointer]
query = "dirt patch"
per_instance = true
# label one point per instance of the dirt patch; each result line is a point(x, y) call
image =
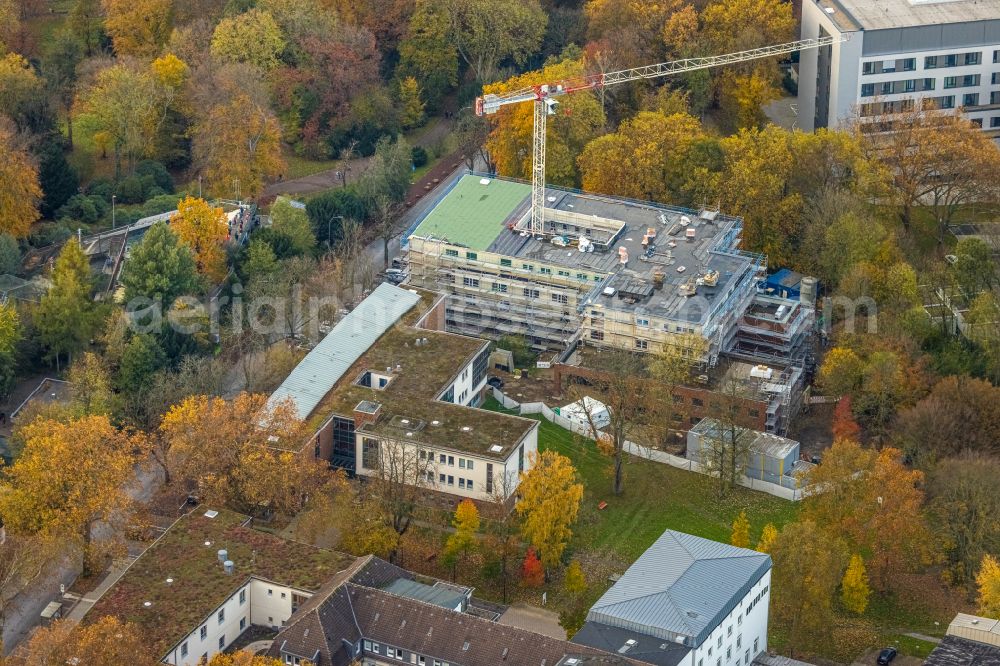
point(533, 618)
point(812, 428)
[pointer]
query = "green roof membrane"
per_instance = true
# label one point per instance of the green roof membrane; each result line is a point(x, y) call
point(473, 214)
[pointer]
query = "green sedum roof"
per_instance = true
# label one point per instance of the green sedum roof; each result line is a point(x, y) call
point(472, 214)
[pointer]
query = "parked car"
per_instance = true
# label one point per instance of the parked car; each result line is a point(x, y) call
point(886, 656)
point(495, 382)
point(395, 275)
point(397, 262)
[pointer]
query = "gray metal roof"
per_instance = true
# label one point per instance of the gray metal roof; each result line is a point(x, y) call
point(445, 596)
point(322, 367)
point(883, 14)
point(681, 588)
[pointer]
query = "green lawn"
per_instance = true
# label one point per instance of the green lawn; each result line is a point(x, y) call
point(657, 497)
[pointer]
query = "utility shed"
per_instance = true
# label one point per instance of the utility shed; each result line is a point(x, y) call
point(770, 458)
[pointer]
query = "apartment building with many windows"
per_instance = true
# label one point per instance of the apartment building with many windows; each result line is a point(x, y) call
point(940, 53)
point(607, 271)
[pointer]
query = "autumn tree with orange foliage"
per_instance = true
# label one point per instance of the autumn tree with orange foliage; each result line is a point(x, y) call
point(70, 476)
point(20, 192)
point(243, 453)
point(204, 230)
point(105, 641)
point(243, 658)
point(844, 425)
point(237, 146)
point(138, 27)
point(872, 501)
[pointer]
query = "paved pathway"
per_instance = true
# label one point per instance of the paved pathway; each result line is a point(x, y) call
point(922, 637)
point(533, 618)
point(87, 602)
point(258, 647)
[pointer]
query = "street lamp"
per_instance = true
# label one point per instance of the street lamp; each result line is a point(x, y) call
point(113, 199)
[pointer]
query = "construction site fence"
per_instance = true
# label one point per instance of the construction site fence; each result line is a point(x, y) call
point(645, 452)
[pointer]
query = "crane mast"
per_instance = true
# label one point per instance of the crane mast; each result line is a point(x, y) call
point(545, 99)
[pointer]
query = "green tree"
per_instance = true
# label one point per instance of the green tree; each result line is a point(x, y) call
point(142, 357)
point(86, 20)
point(854, 588)
point(260, 261)
point(486, 33)
point(329, 212)
point(412, 103)
point(974, 268)
point(294, 223)
point(91, 393)
point(10, 336)
point(10, 255)
point(427, 54)
point(67, 317)
point(62, 57)
point(160, 268)
point(252, 37)
point(741, 531)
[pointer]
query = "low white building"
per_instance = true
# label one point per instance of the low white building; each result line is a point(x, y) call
point(587, 412)
point(208, 579)
point(385, 385)
point(686, 601)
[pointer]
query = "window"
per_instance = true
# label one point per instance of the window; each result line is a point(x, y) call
point(996, 56)
point(423, 454)
point(951, 60)
point(243, 623)
point(368, 646)
point(545, 271)
point(221, 616)
point(461, 463)
point(995, 78)
point(243, 596)
point(499, 288)
point(995, 97)
point(560, 298)
point(375, 648)
point(470, 282)
point(639, 321)
point(443, 459)
point(753, 413)
point(970, 80)
point(283, 595)
point(729, 652)
point(505, 262)
point(451, 253)
point(203, 632)
point(468, 484)
point(746, 657)
point(564, 273)
point(369, 453)
point(908, 64)
point(599, 335)
point(451, 480)
point(729, 630)
point(973, 58)
point(468, 464)
point(995, 121)
point(489, 477)
point(910, 85)
point(970, 99)
point(222, 642)
point(451, 461)
point(461, 483)
point(886, 88)
point(520, 458)
point(930, 62)
point(755, 648)
point(867, 89)
point(581, 276)
point(739, 640)
point(531, 293)
point(471, 256)
point(950, 82)
point(868, 68)
point(441, 478)
point(527, 267)
point(184, 649)
point(642, 344)
point(698, 402)
point(739, 619)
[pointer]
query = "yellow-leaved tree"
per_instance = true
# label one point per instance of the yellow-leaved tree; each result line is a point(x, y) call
point(204, 230)
point(741, 531)
point(988, 584)
point(854, 588)
point(19, 189)
point(767, 538)
point(550, 502)
point(70, 476)
point(578, 120)
point(463, 540)
point(138, 27)
point(106, 640)
point(237, 145)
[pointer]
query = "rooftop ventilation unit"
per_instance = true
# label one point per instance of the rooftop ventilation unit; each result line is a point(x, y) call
point(496, 448)
point(228, 567)
point(223, 555)
point(211, 513)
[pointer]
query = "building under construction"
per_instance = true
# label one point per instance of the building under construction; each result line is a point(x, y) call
point(606, 271)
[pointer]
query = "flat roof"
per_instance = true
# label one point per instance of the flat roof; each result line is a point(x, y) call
point(445, 596)
point(187, 555)
point(957, 651)
point(418, 374)
point(472, 214)
point(317, 373)
point(686, 243)
point(886, 14)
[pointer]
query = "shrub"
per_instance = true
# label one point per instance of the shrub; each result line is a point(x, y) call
point(158, 173)
point(419, 156)
point(84, 208)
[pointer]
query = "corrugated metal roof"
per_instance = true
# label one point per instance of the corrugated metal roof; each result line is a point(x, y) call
point(317, 373)
point(682, 586)
point(445, 597)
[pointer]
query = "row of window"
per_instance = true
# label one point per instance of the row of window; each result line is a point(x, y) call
point(544, 270)
point(396, 653)
point(756, 600)
point(449, 480)
point(445, 459)
point(930, 62)
point(203, 631)
point(501, 288)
